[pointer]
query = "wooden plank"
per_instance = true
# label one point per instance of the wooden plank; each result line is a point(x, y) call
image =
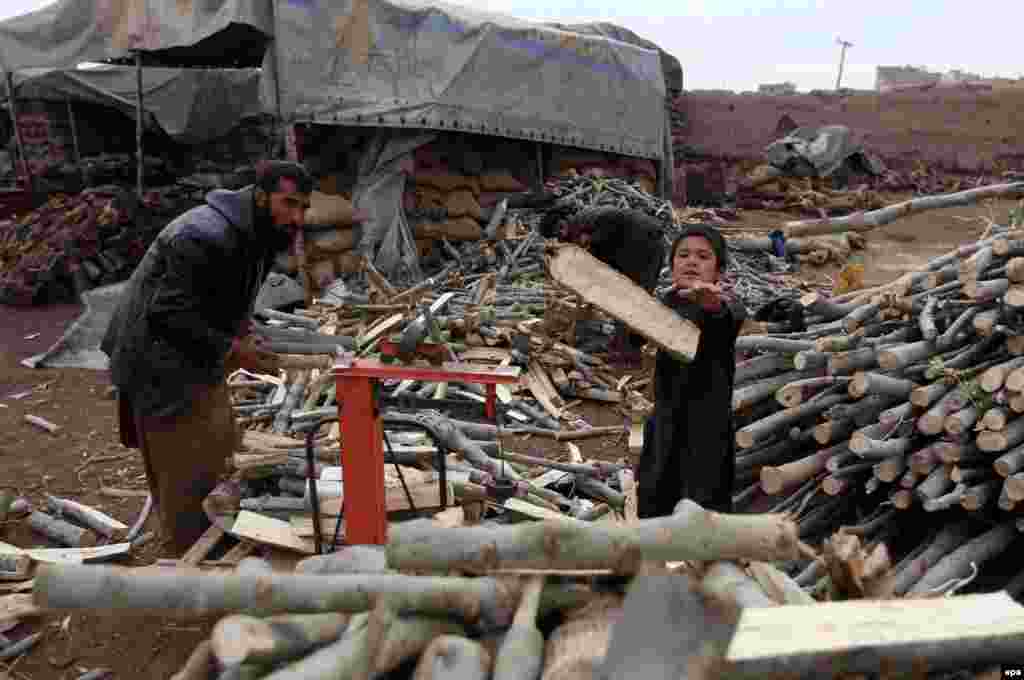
point(535, 511)
point(541, 387)
point(616, 295)
point(78, 555)
point(496, 354)
point(302, 527)
point(202, 547)
point(636, 438)
point(862, 633)
point(239, 552)
point(275, 532)
point(381, 327)
point(628, 485)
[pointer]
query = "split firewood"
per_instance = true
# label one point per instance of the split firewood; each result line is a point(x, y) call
point(98, 521)
point(60, 531)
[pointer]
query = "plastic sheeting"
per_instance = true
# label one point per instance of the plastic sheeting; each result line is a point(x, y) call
point(427, 64)
point(190, 32)
point(190, 105)
point(383, 169)
point(819, 152)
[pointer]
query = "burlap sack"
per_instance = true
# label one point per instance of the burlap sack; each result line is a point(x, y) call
point(462, 203)
point(461, 229)
point(326, 209)
point(447, 182)
point(330, 241)
point(500, 180)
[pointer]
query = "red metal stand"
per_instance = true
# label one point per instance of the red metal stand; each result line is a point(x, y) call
point(362, 435)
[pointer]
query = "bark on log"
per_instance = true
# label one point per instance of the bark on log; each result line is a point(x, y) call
point(61, 531)
point(98, 521)
point(692, 533)
point(1010, 462)
point(751, 434)
point(727, 583)
point(961, 421)
point(923, 397)
point(799, 391)
point(775, 479)
point(834, 430)
point(994, 378)
point(242, 639)
point(616, 295)
point(450, 657)
point(778, 585)
point(866, 221)
point(763, 366)
point(958, 564)
point(876, 383)
point(521, 654)
point(945, 541)
point(345, 659)
point(68, 586)
point(1002, 440)
point(995, 419)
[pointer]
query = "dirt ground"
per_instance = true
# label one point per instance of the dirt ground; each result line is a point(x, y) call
point(85, 454)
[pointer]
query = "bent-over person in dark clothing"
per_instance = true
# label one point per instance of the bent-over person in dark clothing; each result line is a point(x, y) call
point(688, 449)
point(628, 241)
point(183, 324)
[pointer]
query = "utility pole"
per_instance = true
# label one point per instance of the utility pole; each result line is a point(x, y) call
point(842, 60)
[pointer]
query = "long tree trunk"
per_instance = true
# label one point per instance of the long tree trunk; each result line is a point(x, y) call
point(693, 533)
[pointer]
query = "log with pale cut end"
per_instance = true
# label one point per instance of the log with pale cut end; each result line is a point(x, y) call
point(960, 563)
point(995, 419)
point(945, 501)
point(978, 496)
point(933, 420)
point(451, 657)
point(985, 321)
point(961, 421)
point(1015, 487)
point(775, 479)
point(935, 484)
point(866, 221)
point(521, 654)
point(879, 449)
point(890, 469)
point(923, 459)
point(242, 639)
point(1007, 245)
point(902, 499)
point(970, 474)
point(728, 583)
point(799, 391)
point(692, 533)
point(197, 594)
point(615, 294)
point(964, 452)
point(860, 316)
point(876, 383)
point(749, 395)
point(1014, 268)
point(986, 291)
point(1014, 297)
point(60, 531)
point(923, 397)
point(98, 521)
point(816, 304)
point(1005, 503)
point(834, 430)
point(751, 434)
point(892, 417)
point(764, 343)
point(1017, 402)
point(1004, 439)
point(1015, 380)
point(840, 455)
point(861, 359)
point(344, 659)
point(1010, 462)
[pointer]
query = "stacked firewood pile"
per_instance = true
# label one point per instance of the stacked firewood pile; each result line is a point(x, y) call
point(82, 240)
point(896, 412)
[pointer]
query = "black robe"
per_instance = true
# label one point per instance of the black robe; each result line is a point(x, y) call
point(689, 449)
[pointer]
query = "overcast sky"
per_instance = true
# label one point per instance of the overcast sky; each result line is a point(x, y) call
point(736, 45)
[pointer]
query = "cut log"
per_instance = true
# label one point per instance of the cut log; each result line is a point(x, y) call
point(994, 378)
point(876, 383)
point(961, 421)
point(960, 563)
point(945, 541)
point(691, 534)
point(192, 594)
point(995, 419)
point(873, 636)
point(246, 639)
point(522, 650)
point(98, 521)
point(1010, 462)
point(751, 434)
point(616, 295)
point(451, 657)
point(866, 221)
point(728, 583)
point(775, 479)
point(61, 531)
point(345, 658)
point(1002, 440)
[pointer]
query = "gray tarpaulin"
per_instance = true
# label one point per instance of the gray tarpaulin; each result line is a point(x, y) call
point(68, 32)
point(819, 152)
point(428, 64)
point(383, 168)
point(190, 105)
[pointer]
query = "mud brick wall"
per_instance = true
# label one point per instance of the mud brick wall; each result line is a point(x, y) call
point(956, 130)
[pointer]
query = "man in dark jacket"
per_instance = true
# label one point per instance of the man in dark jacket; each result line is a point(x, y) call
point(629, 241)
point(183, 325)
point(688, 449)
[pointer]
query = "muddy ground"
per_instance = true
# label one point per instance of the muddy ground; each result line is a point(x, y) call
point(85, 454)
